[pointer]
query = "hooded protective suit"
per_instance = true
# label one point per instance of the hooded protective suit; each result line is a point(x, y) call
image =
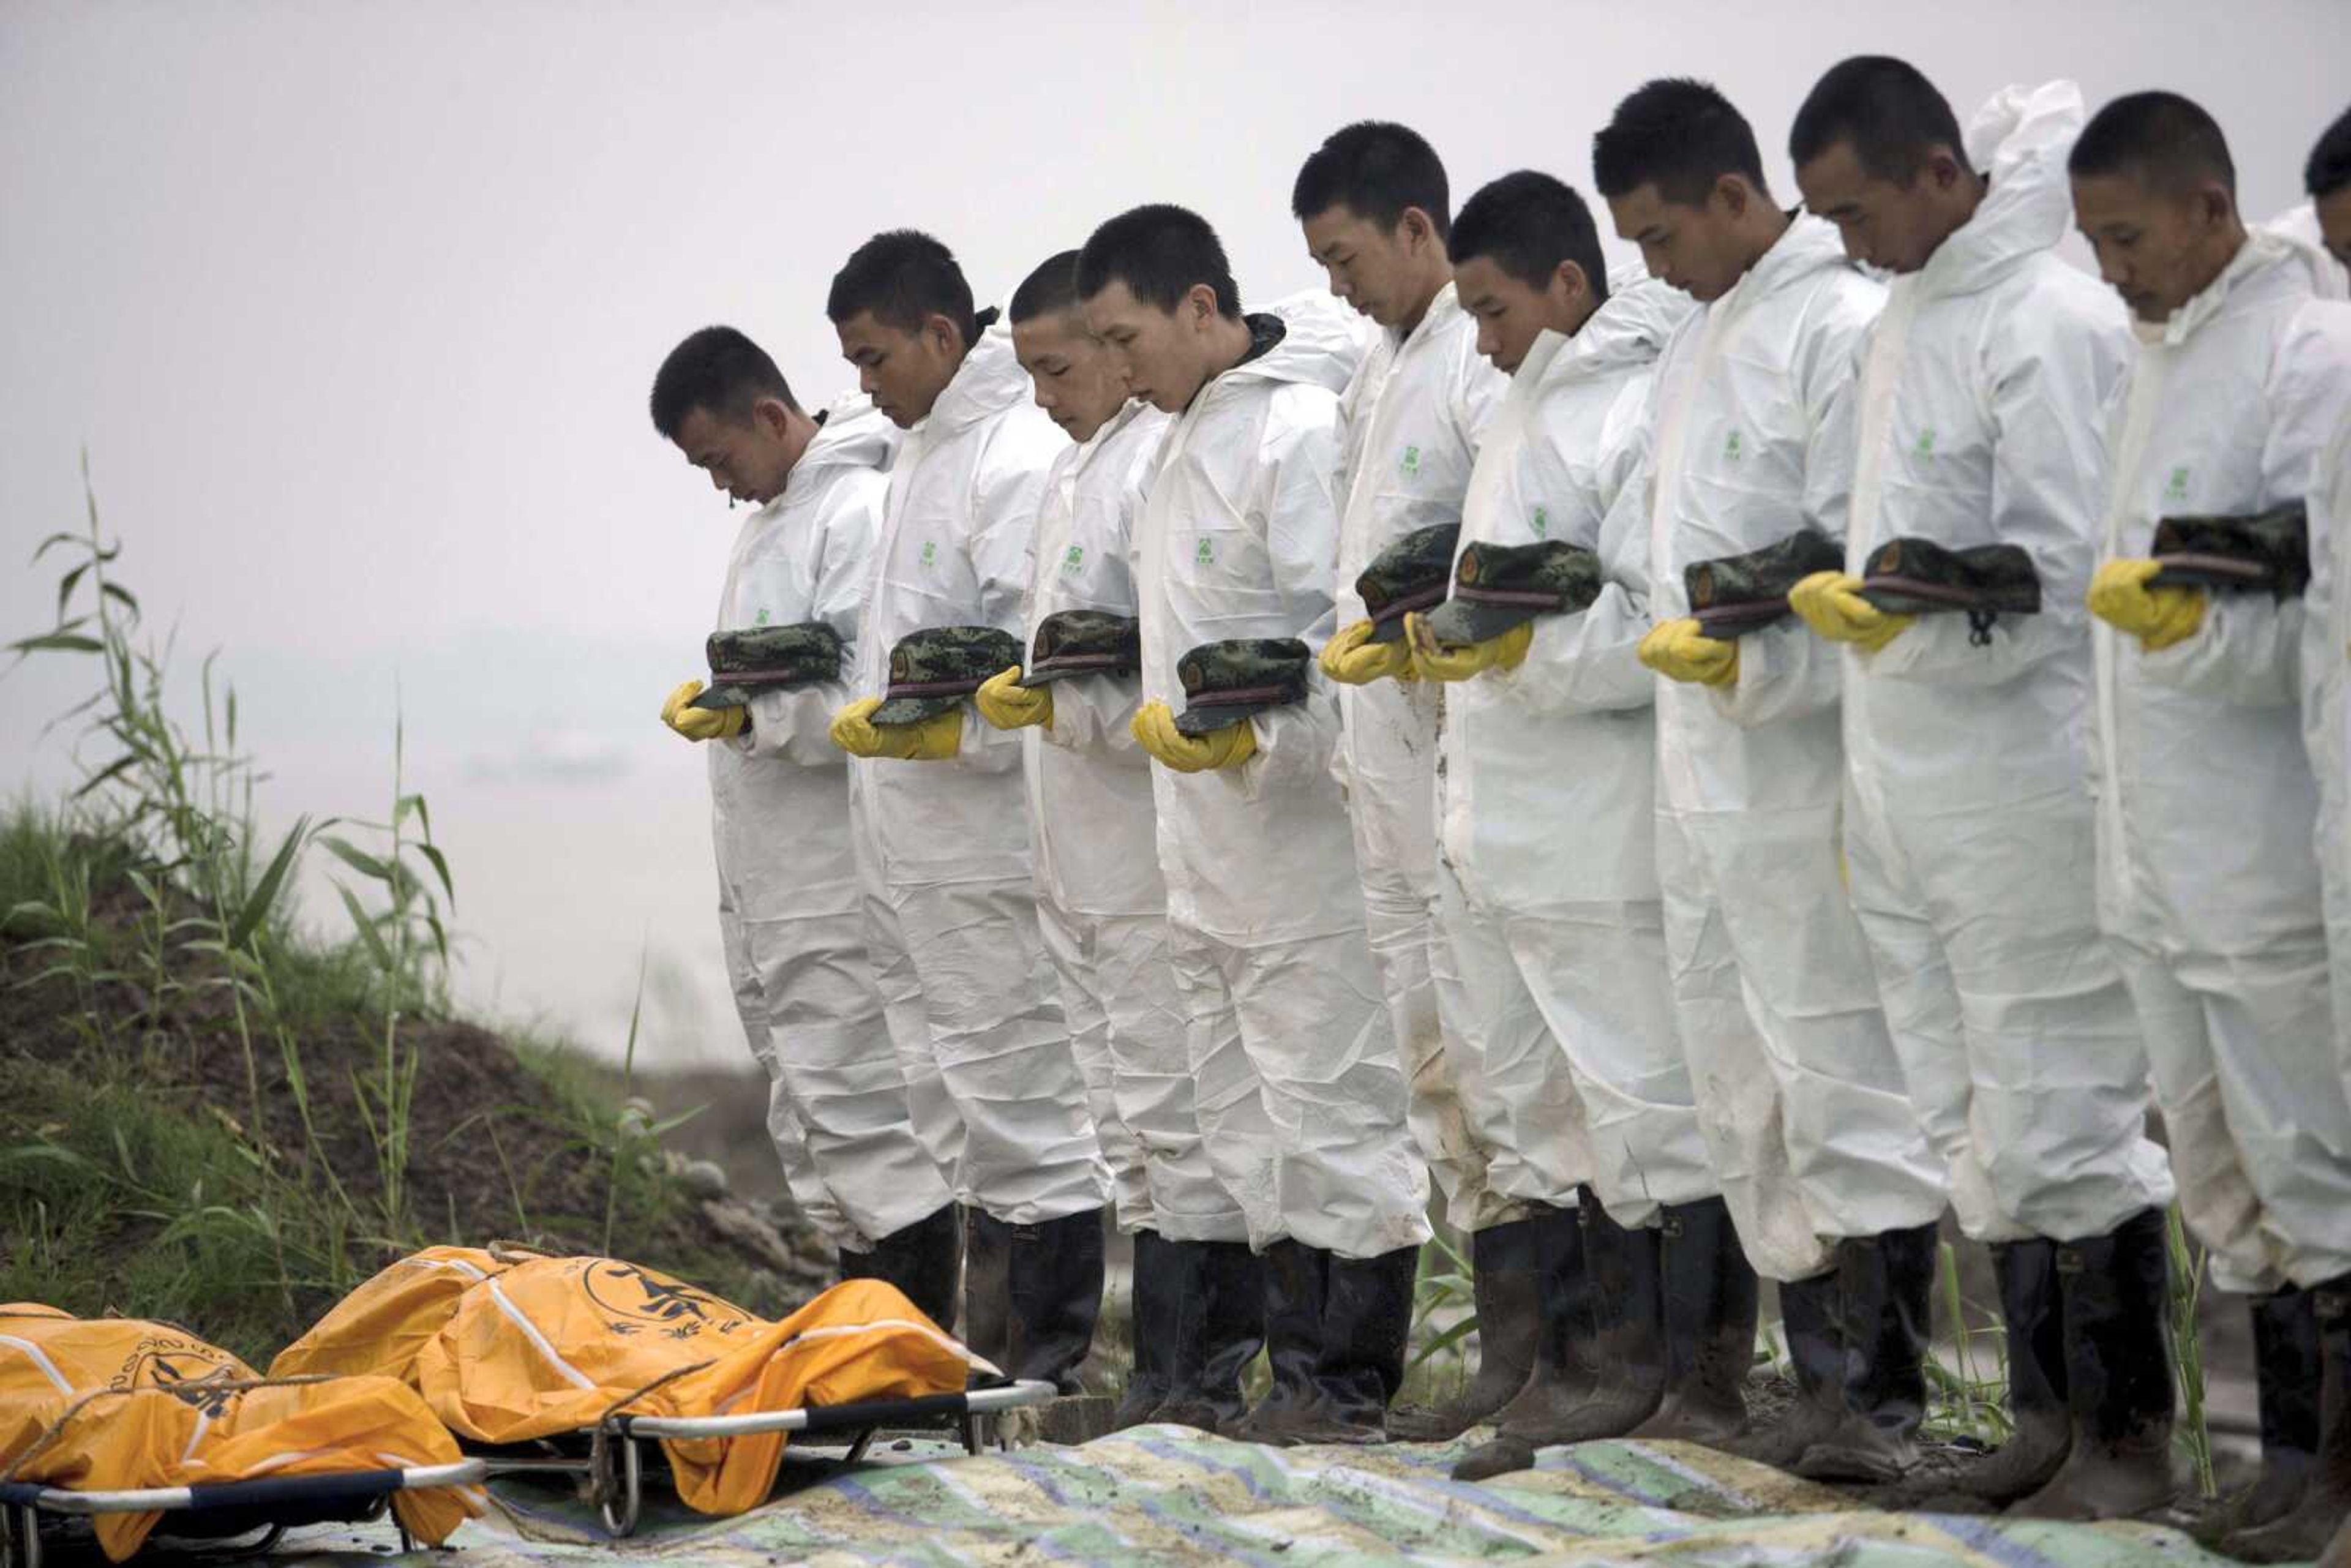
point(1101, 901)
point(1299, 1090)
point(1413, 413)
point(1798, 1088)
point(1983, 383)
point(789, 907)
point(949, 839)
point(2206, 879)
point(1557, 941)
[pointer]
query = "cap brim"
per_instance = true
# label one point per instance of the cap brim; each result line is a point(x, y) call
point(1729, 622)
point(912, 710)
point(1199, 721)
point(1458, 621)
point(722, 698)
point(1048, 674)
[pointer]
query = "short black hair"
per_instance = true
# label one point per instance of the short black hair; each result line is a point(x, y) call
point(2164, 139)
point(902, 275)
point(1885, 109)
point(1376, 169)
point(2329, 168)
point(1527, 223)
point(717, 368)
point(1160, 252)
point(1052, 287)
point(1679, 134)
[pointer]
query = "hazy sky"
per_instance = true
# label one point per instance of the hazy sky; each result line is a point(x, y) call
point(355, 306)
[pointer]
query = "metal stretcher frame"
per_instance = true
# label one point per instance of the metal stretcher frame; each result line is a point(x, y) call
point(612, 1472)
point(22, 1503)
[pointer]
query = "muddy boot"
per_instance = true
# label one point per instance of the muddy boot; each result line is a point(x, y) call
point(987, 1291)
point(1566, 1371)
point(1629, 1345)
point(2287, 1370)
point(922, 1259)
point(2315, 1524)
point(1505, 1261)
point(1220, 1327)
point(1711, 1302)
point(2118, 1377)
point(1366, 1318)
point(2041, 1433)
point(1053, 1281)
point(1810, 1318)
point(1297, 1281)
point(1886, 1293)
point(1165, 1272)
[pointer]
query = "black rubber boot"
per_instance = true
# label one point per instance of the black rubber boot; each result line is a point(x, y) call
point(1297, 1282)
point(1886, 1295)
point(987, 1288)
point(1810, 1318)
point(2118, 1375)
point(2032, 1314)
point(1165, 1272)
point(1629, 1343)
point(1505, 1285)
point(1711, 1302)
point(2317, 1524)
point(1220, 1329)
point(1366, 1319)
point(1566, 1371)
point(922, 1259)
point(1054, 1285)
point(2288, 1371)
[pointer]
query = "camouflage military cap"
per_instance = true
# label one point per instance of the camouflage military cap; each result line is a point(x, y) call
point(1409, 575)
point(1983, 583)
point(768, 658)
point(1225, 683)
point(1736, 594)
point(2265, 550)
point(1083, 642)
point(1497, 587)
point(933, 670)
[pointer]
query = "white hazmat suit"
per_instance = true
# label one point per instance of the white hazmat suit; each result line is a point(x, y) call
point(788, 902)
point(2208, 803)
point(1299, 1089)
point(1798, 1087)
point(1546, 797)
point(950, 839)
point(1102, 901)
point(1969, 843)
point(1413, 411)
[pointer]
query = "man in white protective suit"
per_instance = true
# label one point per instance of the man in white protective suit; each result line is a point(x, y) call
point(1299, 1092)
point(1375, 207)
point(788, 914)
point(2207, 883)
point(1101, 899)
point(2324, 220)
point(1827, 1174)
point(946, 797)
point(1556, 955)
point(1980, 476)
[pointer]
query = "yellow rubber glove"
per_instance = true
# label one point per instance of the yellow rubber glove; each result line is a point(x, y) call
point(1832, 605)
point(1678, 650)
point(1009, 706)
point(1352, 658)
point(702, 723)
point(1156, 732)
point(2157, 617)
point(936, 739)
point(1434, 661)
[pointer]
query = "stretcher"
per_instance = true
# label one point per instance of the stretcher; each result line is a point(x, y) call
point(599, 1370)
point(135, 1428)
point(219, 1511)
point(609, 1462)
